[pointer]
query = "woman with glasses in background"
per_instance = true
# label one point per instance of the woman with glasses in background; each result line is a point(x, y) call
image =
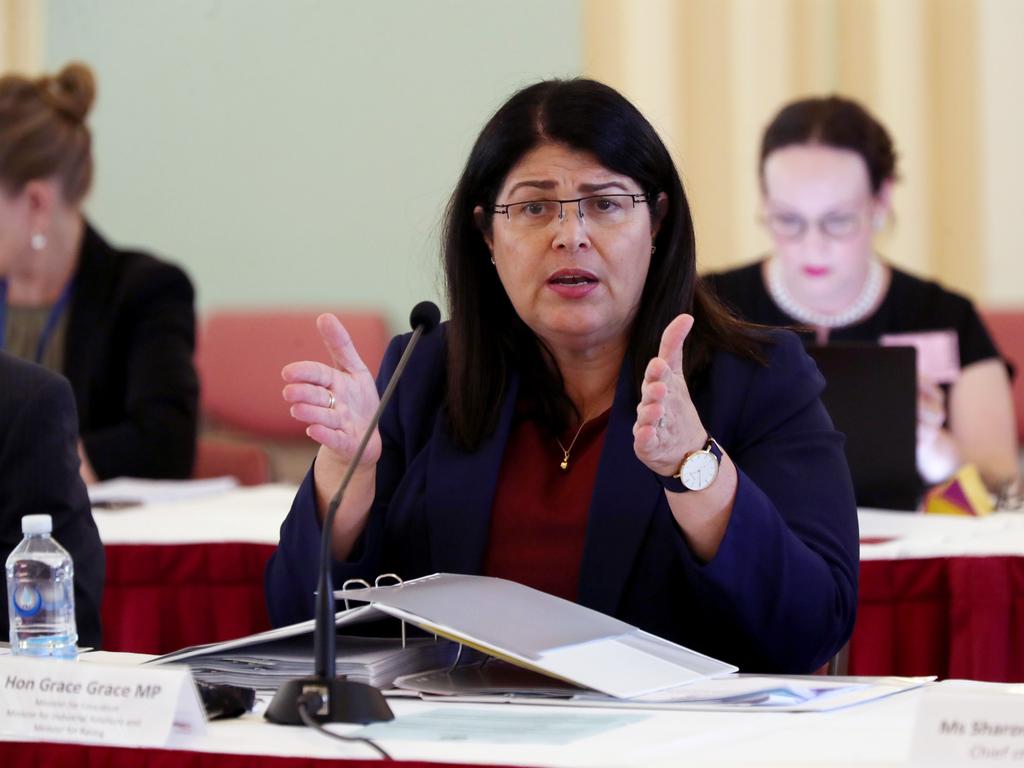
point(589, 422)
point(827, 170)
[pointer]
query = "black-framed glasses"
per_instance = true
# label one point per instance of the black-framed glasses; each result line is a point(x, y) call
point(601, 210)
point(839, 225)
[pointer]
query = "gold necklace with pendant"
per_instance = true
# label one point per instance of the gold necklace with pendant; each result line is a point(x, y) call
point(565, 459)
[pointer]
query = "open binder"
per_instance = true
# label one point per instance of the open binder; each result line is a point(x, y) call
point(538, 632)
point(583, 657)
point(551, 651)
point(528, 628)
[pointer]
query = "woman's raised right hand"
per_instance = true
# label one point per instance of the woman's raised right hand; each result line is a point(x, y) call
point(336, 403)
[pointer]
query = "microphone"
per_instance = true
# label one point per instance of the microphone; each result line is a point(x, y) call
point(338, 700)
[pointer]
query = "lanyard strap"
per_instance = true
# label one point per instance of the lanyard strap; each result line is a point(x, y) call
point(51, 320)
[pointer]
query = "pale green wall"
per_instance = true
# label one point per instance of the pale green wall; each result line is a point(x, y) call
point(298, 151)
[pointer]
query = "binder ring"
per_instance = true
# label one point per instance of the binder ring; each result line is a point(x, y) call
point(455, 661)
point(344, 586)
point(398, 581)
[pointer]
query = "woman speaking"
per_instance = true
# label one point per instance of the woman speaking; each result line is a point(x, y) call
point(589, 422)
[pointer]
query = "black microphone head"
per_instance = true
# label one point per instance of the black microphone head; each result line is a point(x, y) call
point(425, 314)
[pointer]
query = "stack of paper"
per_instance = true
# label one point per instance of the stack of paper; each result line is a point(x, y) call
point(264, 660)
point(494, 681)
point(133, 492)
point(375, 661)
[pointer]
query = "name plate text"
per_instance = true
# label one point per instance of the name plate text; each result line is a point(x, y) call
point(90, 703)
point(970, 723)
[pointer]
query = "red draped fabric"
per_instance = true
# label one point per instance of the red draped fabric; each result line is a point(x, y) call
point(23, 755)
point(958, 617)
point(159, 598)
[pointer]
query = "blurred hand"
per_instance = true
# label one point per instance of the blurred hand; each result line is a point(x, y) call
point(667, 425)
point(85, 470)
point(931, 408)
point(937, 454)
point(337, 403)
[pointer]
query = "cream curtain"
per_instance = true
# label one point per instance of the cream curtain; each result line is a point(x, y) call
point(20, 35)
point(940, 74)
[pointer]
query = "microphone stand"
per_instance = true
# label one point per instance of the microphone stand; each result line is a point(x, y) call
point(324, 697)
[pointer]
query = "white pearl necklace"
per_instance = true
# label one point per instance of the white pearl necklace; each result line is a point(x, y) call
point(857, 311)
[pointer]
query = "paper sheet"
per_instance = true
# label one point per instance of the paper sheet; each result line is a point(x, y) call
point(498, 726)
point(130, 492)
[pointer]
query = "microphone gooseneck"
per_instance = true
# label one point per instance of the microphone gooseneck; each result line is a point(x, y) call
point(425, 317)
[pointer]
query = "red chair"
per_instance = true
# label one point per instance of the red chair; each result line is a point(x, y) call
point(1007, 328)
point(217, 457)
point(240, 354)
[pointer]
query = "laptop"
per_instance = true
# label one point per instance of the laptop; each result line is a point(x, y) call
point(871, 394)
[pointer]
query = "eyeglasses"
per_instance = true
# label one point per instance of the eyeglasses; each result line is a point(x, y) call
point(601, 210)
point(835, 226)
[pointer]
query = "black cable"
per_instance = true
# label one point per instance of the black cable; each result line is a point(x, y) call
point(313, 700)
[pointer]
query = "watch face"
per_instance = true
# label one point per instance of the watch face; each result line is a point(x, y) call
point(699, 471)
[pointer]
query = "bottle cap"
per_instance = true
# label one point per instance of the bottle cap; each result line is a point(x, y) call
point(36, 524)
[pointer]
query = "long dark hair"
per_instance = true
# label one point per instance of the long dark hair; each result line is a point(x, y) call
point(834, 122)
point(487, 340)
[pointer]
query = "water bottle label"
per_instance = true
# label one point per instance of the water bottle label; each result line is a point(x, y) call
point(27, 601)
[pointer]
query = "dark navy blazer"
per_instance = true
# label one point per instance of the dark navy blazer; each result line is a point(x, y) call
point(779, 596)
point(39, 475)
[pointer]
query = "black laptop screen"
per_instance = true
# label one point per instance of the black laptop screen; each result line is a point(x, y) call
point(871, 394)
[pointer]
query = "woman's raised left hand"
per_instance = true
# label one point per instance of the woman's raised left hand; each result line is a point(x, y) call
point(667, 425)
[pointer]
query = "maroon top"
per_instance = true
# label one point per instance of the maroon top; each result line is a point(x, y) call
point(539, 516)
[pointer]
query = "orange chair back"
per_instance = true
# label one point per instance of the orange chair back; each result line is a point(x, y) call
point(240, 353)
point(247, 462)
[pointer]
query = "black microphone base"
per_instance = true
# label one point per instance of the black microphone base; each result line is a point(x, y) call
point(340, 701)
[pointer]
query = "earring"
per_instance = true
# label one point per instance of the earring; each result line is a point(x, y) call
point(493, 261)
point(653, 249)
point(37, 241)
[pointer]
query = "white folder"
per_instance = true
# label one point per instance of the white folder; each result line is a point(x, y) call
point(541, 632)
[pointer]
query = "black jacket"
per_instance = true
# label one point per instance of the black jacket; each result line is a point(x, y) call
point(128, 356)
point(39, 475)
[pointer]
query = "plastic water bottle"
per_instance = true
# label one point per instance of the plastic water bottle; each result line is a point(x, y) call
point(41, 593)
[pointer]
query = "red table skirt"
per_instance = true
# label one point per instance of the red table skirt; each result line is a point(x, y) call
point(23, 755)
point(159, 598)
point(960, 617)
point(951, 617)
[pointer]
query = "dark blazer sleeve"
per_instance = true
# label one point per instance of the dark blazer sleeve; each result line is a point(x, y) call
point(39, 475)
point(139, 401)
point(785, 576)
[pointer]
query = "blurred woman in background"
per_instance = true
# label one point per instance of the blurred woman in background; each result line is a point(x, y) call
point(119, 325)
point(827, 171)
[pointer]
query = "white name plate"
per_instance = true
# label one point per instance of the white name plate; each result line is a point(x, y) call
point(57, 700)
point(966, 723)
